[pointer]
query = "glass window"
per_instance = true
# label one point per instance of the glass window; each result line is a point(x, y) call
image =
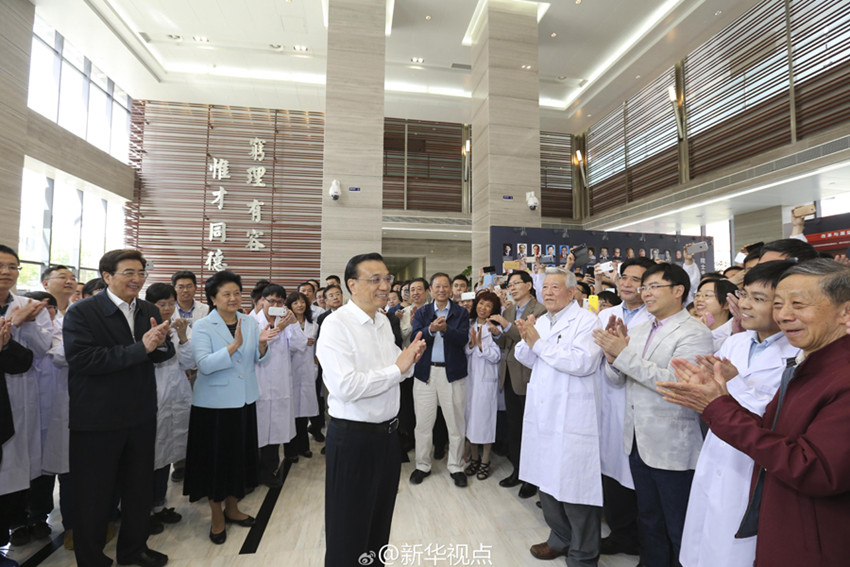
point(67, 218)
point(34, 235)
point(43, 95)
point(120, 145)
point(74, 56)
point(722, 235)
point(93, 229)
point(99, 78)
point(87, 274)
point(114, 226)
point(29, 278)
point(72, 100)
point(43, 30)
point(838, 205)
point(99, 118)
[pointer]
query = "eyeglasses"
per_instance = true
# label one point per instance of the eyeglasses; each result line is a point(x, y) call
point(133, 274)
point(704, 296)
point(653, 287)
point(376, 280)
point(182, 287)
point(10, 267)
point(741, 294)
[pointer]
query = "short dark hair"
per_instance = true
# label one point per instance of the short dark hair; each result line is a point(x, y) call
point(462, 278)
point(6, 250)
point(585, 288)
point(354, 263)
point(420, 279)
point(109, 261)
point(672, 273)
point(307, 282)
point(640, 261)
point(257, 292)
point(721, 289)
point(183, 275)
point(160, 290)
point(767, 273)
point(791, 248)
point(274, 289)
point(295, 296)
point(93, 286)
point(486, 295)
point(218, 279)
point(730, 268)
point(754, 255)
point(610, 297)
point(41, 296)
point(335, 278)
point(440, 275)
point(711, 276)
point(53, 268)
point(525, 277)
point(330, 287)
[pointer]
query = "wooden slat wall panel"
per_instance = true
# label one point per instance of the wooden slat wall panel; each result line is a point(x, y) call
point(173, 146)
point(606, 162)
point(820, 34)
point(737, 90)
point(393, 163)
point(556, 175)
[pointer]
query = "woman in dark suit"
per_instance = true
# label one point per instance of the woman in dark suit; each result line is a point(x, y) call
point(221, 457)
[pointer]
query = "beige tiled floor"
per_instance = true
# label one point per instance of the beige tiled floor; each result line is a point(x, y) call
point(483, 516)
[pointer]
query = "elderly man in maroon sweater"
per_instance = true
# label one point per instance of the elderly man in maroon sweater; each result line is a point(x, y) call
point(800, 497)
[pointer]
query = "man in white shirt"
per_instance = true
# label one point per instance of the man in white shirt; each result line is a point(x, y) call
point(362, 368)
point(186, 284)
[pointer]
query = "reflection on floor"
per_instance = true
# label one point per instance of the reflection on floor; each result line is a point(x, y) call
point(432, 524)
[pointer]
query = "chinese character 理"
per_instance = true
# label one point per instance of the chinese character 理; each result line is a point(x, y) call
point(219, 197)
point(255, 176)
point(215, 261)
point(220, 169)
point(257, 151)
point(254, 239)
point(218, 231)
point(256, 209)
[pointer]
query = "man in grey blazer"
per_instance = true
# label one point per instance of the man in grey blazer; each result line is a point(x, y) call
point(661, 439)
point(513, 376)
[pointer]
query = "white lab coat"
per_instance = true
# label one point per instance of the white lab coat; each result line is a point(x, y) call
point(173, 403)
point(560, 428)
point(482, 388)
point(56, 440)
point(304, 368)
point(22, 453)
point(615, 462)
point(721, 487)
point(275, 412)
point(720, 334)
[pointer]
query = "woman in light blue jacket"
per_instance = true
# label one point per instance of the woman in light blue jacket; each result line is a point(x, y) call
point(221, 457)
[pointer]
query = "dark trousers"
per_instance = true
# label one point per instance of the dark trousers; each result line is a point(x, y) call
point(160, 485)
point(317, 422)
point(662, 499)
point(40, 498)
point(406, 415)
point(361, 483)
point(515, 407)
point(269, 461)
point(100, 462)
point(299, 444)
point(66, 496)
point(440, 431)
point(620, 508)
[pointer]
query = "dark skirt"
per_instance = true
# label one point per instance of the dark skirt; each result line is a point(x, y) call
point(222, 454)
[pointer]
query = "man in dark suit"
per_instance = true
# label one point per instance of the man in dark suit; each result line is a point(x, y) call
point(513, 376)
point(440, 376)
point(112, 341)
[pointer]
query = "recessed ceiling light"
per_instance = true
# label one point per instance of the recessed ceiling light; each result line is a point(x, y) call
point(201, 38)
point(427, 18)
point(590, 116)
point(299, 48)
point(275, 46)
point(553, 34)
point(175, 37)
point(416, 60)
point(578, 2)
point(718, 12)
point(526, 67)
point(562, 77)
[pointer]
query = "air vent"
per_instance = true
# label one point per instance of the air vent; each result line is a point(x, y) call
point(461, 66)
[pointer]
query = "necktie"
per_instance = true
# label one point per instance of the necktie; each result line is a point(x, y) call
point(750, 522)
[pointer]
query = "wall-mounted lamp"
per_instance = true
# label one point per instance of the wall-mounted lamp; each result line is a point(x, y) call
point(467, 159)
point(582, 166)
point(677, 111)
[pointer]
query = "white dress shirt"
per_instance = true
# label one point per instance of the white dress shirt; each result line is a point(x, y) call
point(358, 355)
point(127, 309)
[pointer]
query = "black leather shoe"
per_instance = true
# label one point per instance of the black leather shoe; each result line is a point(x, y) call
point(459, 478)
point(40, 530)
point(147, 558)
point(178, 474)
point(155, 525)
point(510, 481)
point(307, 454)
point(20, 536)
point(528, 490)
point(319, 436)
point(218, 538)
point(417, 476)
point(246, 522)
point(607, 546)
point(168, 516)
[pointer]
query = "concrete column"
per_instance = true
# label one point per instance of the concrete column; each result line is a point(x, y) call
point(505, 123)
point(354, 131)
point(16, 21)
point(762, 225)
